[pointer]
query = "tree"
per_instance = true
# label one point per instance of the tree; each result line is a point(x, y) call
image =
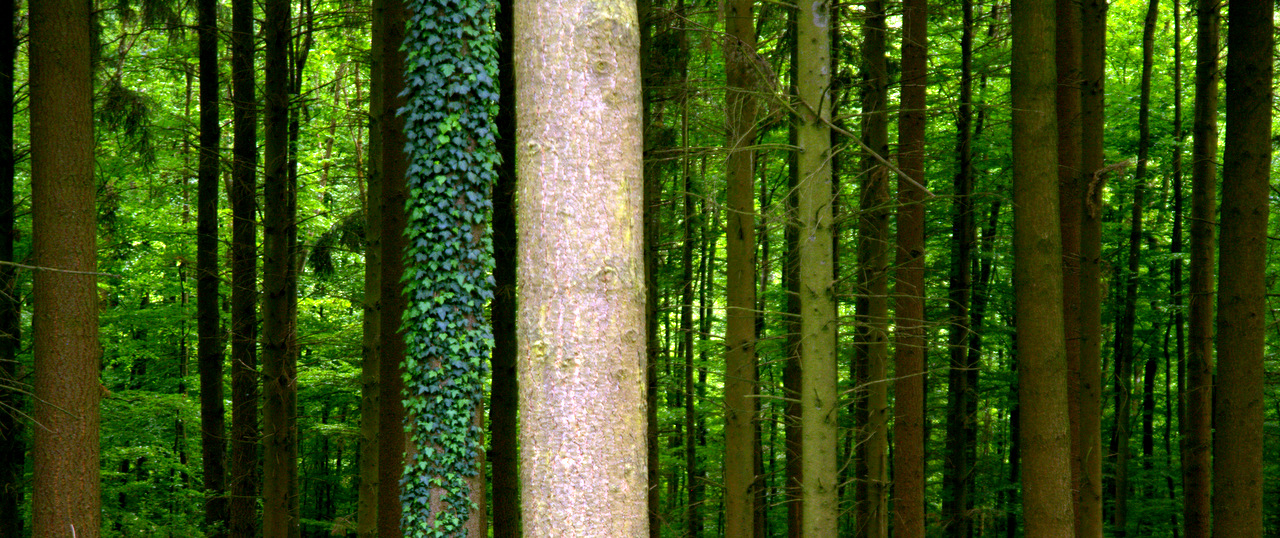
point(580, 275)
point(909, 288)
point(1246, 171)
point(212, 414)
point(819, 406)
point(65, 493)
point(504, 402)
point(1042, 368)
point(1197, 456)
point(740, 337)
point(244, 278)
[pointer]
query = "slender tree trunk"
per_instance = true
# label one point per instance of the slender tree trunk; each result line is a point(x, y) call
point(1070, 200)
point(581, 272)
point(504, 399)
point(1197, 456)
point(872, 303)
point(12, 442)
point(1089, 378)
point(740, 244)
point(1176, 289)
point(244, 278)
point(65, 492)
point(819, 405)
point(371, 369)
point(212, 425)
point(1042, 368)
point(960, 425)
point(791, 377)
point(1246, 170)
point(909, 290)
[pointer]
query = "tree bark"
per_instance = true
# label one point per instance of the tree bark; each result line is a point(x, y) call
point(244, 278)
point(1089, 379)
point(1246, 166)
point(909, 288)
point(740, 244)
point(1197, 457)
point(1042, 368)
point(819, 404)
point(65, 491)
point(212, 421)
point(581, 273)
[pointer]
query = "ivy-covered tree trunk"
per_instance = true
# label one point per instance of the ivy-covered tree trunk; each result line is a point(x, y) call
point(12, 442)
point(581, 273)
point(740, 243)
point(65, 490)
point(1197, 457)
point(820, 408)
point(208, 316)
point(1242, 284)
point(1037, 277)
point(244, 277)
point(909, 286)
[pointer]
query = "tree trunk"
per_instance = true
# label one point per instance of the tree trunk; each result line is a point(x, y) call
point(909, 288)
point(1042, 368)
point(504, 399)
point(581, 312)
point(960, 425)
point(1197, 457)
point(819, 404)
point(1246, 166)
point(740, 345)
point(1089, 379)
point(244, 278)
point(872, 303)
point(212, 425)
point(791, 378)
point(1176, 289)
point(65, 492)
point(371, 369)
point(12, 442)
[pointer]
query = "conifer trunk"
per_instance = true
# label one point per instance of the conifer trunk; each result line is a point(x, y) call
point(581, 274)
point(1037, 278)
point(1246, 171)
point(65, 489)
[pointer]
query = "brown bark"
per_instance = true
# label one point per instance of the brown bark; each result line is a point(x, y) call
point(909, 290)
point(212, 417)
point(1197, 457)
point(740, 244)
point(793, 430)
point(1037, 278)
point(581, 273)
point(872, 303)
point(371, 369)
point(1246, 170)
point(65, 492)
point(1089, 378)
point(244, 279)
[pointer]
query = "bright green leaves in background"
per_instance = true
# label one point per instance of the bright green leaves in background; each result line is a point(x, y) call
point(452, 96)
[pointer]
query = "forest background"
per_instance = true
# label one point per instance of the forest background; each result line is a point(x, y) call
point(146, 137)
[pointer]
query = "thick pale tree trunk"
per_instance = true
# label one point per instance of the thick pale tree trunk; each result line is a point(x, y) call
point(1197, 456)
point(1246, 170)
point(740, 244)
point(65, 498)
point(909, 290)
point(580, 319)
point(1037, 278)
point(820, 407)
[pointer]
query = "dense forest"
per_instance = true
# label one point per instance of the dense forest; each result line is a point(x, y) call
point(664, 268)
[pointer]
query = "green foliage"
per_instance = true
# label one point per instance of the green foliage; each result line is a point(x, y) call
point(451, 60)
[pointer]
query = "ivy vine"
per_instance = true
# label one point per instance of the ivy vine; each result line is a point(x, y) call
point(452, 97)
